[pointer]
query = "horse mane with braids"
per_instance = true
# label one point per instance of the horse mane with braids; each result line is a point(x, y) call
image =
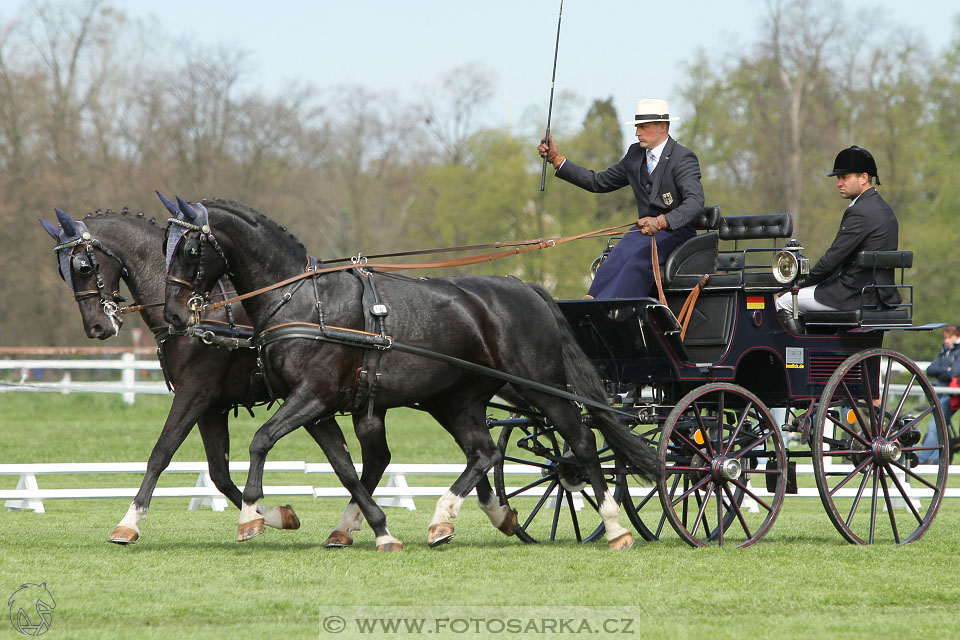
point(252, 215)
point(100, 213)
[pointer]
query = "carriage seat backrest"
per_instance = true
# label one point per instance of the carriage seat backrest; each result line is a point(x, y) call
point(696, 256)
point(867, 315)
point(757, 227)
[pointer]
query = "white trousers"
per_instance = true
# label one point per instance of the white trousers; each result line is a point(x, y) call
point(805, 301)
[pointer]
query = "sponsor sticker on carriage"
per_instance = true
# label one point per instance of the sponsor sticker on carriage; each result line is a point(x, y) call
point(794, 358)
point(755, 302)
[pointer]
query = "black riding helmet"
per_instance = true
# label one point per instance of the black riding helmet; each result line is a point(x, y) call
point(855, 159)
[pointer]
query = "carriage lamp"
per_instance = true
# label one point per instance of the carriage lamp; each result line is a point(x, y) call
point(788, 263)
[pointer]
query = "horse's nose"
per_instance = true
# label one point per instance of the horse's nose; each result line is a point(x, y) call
point(98, 331)
point(175, 320)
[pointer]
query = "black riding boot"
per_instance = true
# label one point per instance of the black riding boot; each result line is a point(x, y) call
point(791, 324)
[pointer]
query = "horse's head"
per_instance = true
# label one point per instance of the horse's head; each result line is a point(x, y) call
point(194, 262)
point(92, 272)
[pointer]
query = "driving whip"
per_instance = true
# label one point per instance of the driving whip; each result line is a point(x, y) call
point(553, 80)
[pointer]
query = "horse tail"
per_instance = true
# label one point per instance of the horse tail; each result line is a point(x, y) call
point(582, 377)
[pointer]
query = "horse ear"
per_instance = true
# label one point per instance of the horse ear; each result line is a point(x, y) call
point(188, 212)
point(66, 223)
point(171, 207)
point(50, 228)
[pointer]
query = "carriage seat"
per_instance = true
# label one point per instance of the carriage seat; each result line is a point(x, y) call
point(873, 315)
point(734, 269)
point(696, 256)
point(701, 255)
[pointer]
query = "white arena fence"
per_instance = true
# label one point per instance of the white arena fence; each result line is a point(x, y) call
point(397, 492)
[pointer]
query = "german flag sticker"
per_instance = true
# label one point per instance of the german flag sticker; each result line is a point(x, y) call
point(754, 302)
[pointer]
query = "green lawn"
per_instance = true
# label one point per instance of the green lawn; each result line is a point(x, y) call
point(187, 578)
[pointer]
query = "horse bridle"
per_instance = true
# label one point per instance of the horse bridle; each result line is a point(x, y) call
point(89, 243)
point(196, 301)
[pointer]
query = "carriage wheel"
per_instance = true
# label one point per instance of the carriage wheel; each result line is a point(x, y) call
point(865, 433)
point(723, 460)
point(640, 499)
point(553, 498)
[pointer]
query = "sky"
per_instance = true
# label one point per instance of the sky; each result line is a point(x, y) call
point(622, 49)
point(608, 48)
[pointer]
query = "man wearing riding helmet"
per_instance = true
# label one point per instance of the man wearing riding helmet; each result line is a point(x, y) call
point(837, 282)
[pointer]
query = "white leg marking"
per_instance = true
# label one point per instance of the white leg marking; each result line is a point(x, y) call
point(447, 509)
point(133, 517)
point(248, 512)
point(610, 512)
point(495, 511)
point(352, 519)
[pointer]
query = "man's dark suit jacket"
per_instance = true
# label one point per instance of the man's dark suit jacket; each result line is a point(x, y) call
point(869, 225)
point(676, 193)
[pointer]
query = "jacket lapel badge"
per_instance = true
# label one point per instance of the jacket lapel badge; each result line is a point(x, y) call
point(667, 198)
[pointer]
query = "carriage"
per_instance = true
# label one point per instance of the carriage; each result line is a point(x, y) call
point(708, 376)
point(719, 386)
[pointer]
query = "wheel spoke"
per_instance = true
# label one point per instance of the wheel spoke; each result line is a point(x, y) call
point(720, 520)
point(843, 427)
point(856, 500)
point(750, 493)
point(692, 490)
point(557, 506)
point(889, 503)
point(856, 413)
point(703, 430)
point(753, 445)
point(589, 499)
point(904, 496)
point(858, 469)
point(736, 431)
point(916, 477)
point(873, 504)
point(539, 505)
point(736, 509)
point(701, 515)
point(533, 484)
point(573, 516)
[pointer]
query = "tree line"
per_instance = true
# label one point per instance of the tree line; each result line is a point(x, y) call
point(94, 115)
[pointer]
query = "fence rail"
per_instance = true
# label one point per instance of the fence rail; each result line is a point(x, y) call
point(397, 492)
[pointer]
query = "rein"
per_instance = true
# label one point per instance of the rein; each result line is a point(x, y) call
point(521, 247)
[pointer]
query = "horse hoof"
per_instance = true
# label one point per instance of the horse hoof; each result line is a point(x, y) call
point(338, 540)
point(249, 530)
point(288, 518)
point(390, 547)
point(509, 524)
point(622, 543)
point(440, 533)
point(123, 536)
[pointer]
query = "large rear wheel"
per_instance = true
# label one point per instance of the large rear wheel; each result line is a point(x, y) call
point(866, 433)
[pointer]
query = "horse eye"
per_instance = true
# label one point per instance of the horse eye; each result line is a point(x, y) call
point(81, 264)
point(191, 251)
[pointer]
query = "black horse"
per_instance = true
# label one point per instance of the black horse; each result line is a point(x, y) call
point(322, 353)
point(94, 254)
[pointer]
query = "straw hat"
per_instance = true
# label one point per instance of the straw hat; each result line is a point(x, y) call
point(652, 110)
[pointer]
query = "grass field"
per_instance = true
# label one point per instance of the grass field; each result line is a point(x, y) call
point(187, 578)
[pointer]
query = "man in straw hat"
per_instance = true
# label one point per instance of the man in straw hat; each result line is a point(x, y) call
point(868, 224)
point(665, 178)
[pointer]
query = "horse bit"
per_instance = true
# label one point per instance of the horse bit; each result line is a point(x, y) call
point(193, 254)
point(84, 265)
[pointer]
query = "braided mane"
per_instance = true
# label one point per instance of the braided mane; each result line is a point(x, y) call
point(252, 216)
point(100, 213)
